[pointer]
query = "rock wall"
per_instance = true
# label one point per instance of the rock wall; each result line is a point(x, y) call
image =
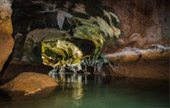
point(72, 24)
point(6, 40)
point(143, 23)
point(143, 50)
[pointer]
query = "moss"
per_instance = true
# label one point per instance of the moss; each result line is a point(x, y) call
point(79, 40)
point(59, 52)
point(87, 36)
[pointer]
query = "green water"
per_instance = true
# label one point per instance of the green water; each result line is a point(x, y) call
point(98, 94)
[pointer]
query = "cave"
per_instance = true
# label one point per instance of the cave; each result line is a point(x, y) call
point(84, 53)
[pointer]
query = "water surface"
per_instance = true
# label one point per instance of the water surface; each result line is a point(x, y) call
point(124, 93)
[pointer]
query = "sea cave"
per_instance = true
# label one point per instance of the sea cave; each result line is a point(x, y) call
point(84, 53)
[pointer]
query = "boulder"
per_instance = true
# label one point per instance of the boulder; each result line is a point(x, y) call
point(6, 40)
point(29, 85)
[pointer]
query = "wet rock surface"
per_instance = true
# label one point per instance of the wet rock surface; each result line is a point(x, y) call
point(28, 85)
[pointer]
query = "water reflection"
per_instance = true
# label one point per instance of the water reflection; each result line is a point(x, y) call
point(75, 85)
point(78, 92)
point(124, 93)
point(78, 88)
point(74, 82)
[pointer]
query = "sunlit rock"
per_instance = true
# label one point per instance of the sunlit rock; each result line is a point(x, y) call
point(6, 40)
point(29, 85)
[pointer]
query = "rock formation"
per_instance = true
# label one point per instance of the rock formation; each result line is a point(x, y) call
point(6, 40)
point(29, 84)
point(143, 24)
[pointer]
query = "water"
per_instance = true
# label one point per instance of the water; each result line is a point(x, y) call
point(122, 93)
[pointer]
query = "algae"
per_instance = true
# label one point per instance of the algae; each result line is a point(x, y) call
point(80, 30)
point(82, 48)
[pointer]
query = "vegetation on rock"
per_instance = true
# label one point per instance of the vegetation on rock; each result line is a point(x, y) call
point(82, 46)
point(81, 28)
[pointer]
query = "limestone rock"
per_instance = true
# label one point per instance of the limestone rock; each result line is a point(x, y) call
point(5, 17)
point(51, 21)
point(153, 69)
point(6, 46)
point(6, 40)
point(32, 45)
point(152, 62)
point(133, 54)
point(148, 19)
point(29, 84)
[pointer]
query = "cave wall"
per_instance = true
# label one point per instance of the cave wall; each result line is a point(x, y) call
point(143, 23)
point(37, 15)
point(143, 50)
